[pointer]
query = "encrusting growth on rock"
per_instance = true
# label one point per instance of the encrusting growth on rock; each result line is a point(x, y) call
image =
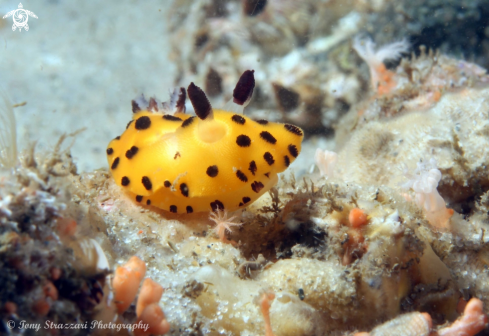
point(381, 78)
point(266, 299)
point(424, 182)
point(149, 312)
point(357, 218)
point(150, 292)
point(354, 245)
point(470, 323)
point(411, 324)
point(126, 282)
point(326, 162)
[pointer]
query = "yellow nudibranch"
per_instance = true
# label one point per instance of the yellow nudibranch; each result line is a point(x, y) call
point(217, 160)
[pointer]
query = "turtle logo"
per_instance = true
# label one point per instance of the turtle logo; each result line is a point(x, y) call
point(20, 16)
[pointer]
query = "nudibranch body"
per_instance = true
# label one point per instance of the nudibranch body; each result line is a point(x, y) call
point(218, 160)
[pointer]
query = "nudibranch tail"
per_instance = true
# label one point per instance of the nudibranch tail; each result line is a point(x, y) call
point(219, 160)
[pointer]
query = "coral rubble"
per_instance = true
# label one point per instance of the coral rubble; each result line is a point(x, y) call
point(48, 273)
point(425, 23)
point(305, 70)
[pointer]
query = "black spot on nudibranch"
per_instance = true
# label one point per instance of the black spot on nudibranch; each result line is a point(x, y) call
point(131, 152)
point(189, 209)
point(241, 176)
point(253, 167)
point(171, 118)
point(267, 174)
point(269, 158)
point(286, 161)
point(293, 150)
point(293, 129)
point(143, 123)
point(110, 151)
point(146, 183)
point(177, 154)
point(243, 140)
point(125, 181)
point(129, 124)
point(117, 138)
point(212, 171)
point(257, 186)
point(184, 189)
point(268, 137)
point(262, 121)
point(173, 208)
point(217, 205)
point(115, 163)
point(238, 119)
point(188, 121)
point(246, 200)
point(167, 184)
point(148, 202)
point(139, 198)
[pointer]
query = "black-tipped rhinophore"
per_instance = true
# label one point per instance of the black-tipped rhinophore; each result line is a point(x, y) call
point(244, 89)
point(180, 107)
point(199, 101)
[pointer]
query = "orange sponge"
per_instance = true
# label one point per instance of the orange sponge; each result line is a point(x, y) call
point(150, 292)
point(126, 282)
point(154, 317)
point(357, 218)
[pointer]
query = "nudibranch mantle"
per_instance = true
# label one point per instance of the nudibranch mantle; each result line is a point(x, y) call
point(217, 160)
